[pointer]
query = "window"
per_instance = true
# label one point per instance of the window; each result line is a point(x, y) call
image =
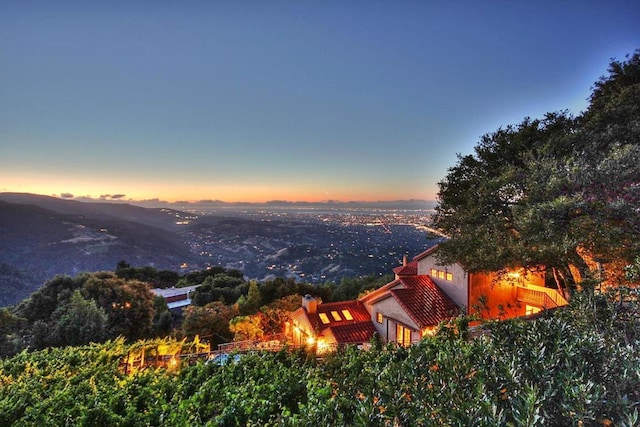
point(441, 274)
point(347, 315)
point(323, 318)
point(379, 317)
point(336, 316)
point(403, 335)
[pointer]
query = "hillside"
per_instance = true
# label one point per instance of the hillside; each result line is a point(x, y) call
point(37, 243)
point(578, 366)
point(161, 218)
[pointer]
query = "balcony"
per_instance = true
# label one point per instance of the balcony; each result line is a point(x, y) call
point(540, 296)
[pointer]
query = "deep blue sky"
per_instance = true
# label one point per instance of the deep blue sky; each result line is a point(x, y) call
point(288, 100)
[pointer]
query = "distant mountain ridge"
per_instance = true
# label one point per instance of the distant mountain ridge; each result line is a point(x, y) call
point(162, 218)
point(410, 204)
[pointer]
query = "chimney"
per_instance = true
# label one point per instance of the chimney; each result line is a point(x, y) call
point(404, 260)
point(310, 304)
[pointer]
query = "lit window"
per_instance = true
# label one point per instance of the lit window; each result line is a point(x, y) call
point(336, 316)
point(440, 274)
point(434, 272)
point(347, 315)
point(403, 335)
point(379, 317)
point(450, 277)
point(323, 318)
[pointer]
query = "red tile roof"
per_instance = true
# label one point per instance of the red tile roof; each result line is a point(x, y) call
point(410, 269)
point(357, 332)
point(356, 308)
point(424, 301)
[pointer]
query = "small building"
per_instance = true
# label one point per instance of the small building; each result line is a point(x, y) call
point(177, 298)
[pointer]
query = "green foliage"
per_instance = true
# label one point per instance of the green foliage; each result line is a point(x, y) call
point(352, 288)
point(80, 321)
point(246, 328)
point(155, 278)
point(273, 316)
point(90, 307)
point(219, 287)
point(250, 303)
point(573, 366)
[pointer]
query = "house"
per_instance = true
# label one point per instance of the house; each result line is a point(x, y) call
point(331, 324)
point(422, 295)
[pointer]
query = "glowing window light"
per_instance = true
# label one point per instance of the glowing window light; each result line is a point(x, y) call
point(323, 318)
point(336, 316)
point(347, 315)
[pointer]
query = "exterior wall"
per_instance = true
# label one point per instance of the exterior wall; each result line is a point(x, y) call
point(392, 314)
point(301, 329)
point(366, 300)
point(457, 288)
point(327, 338)
point(496, 297)
point(491, 298)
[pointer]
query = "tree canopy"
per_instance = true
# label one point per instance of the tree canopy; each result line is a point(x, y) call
point(560, 192)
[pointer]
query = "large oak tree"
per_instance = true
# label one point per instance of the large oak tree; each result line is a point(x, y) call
point(559, 192)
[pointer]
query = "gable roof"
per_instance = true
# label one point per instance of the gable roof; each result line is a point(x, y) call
point(410, 269)
point(424, 301)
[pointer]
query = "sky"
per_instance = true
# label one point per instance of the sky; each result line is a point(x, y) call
point(254, 101)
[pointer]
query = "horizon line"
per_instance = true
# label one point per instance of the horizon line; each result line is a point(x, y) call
point(121, 198)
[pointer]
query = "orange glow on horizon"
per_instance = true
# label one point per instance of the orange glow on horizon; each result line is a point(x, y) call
point(185, 195)
point(131, 190)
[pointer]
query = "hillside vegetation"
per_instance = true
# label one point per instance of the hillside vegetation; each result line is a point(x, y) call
point(578, 366)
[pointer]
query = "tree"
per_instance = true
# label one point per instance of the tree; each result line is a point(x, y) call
point(274, 315)
point(558, 192)
point(79, 322)
point(246, 328)
point(10, 326)
point(162, 317)
point(209, 322)
point(252, 302)
point(128, 303)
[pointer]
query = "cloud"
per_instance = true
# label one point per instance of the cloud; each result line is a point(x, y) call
point(112, 196)
point(66, 196)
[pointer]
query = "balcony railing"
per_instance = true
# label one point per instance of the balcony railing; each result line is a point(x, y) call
point(539, 296)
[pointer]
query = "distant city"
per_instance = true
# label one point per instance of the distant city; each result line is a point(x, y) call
point(310, 244)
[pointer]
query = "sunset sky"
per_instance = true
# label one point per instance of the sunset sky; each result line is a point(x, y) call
point(282, 100)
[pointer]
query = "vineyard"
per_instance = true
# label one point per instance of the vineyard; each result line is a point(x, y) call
point(578, 366)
